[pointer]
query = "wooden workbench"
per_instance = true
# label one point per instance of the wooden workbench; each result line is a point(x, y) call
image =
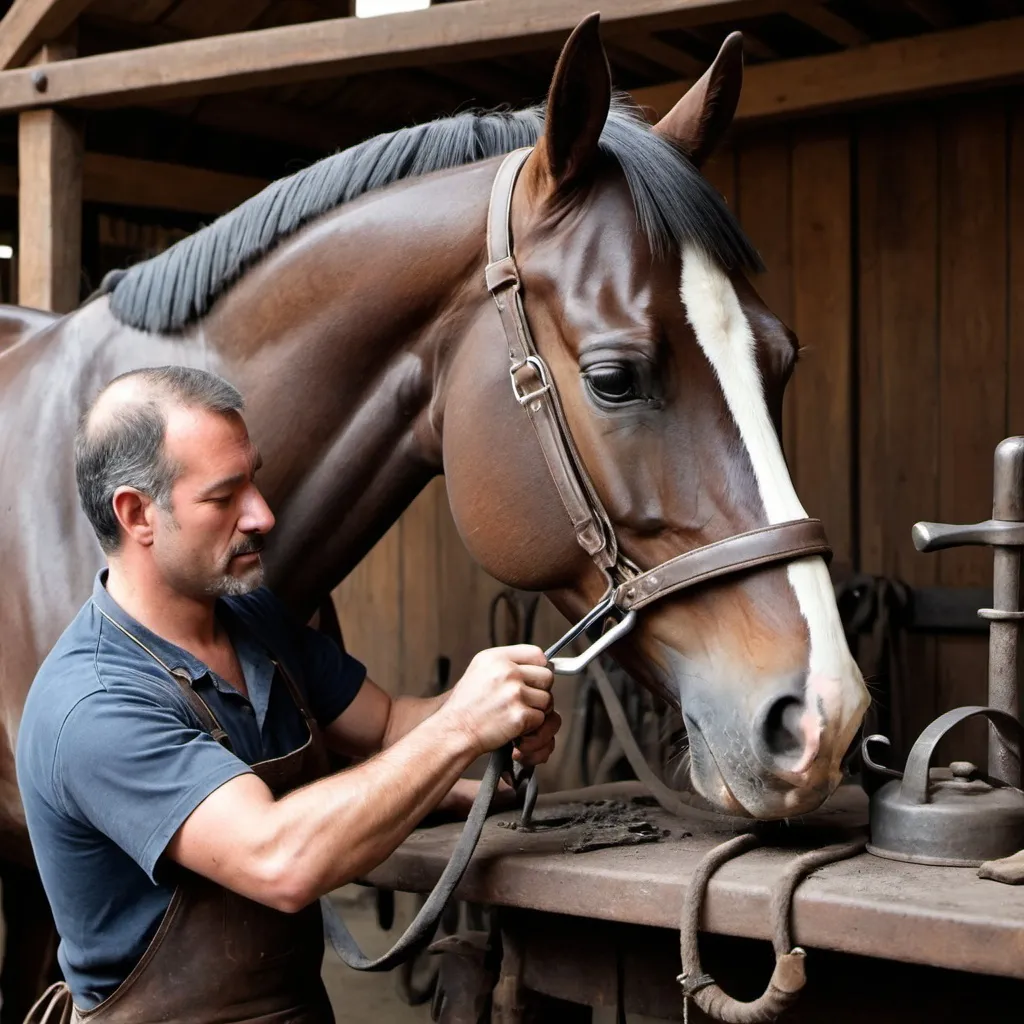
point(864, 907)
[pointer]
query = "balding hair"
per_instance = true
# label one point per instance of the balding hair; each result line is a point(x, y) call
point(120, 439)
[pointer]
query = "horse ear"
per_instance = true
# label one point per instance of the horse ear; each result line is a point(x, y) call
point(700, 119)
point(577, 106)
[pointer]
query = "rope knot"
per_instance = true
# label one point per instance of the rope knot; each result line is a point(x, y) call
point(694, 985)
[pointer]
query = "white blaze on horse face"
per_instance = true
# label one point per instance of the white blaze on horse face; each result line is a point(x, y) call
point(724, 334)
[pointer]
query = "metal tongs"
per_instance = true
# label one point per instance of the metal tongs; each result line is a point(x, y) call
point(606, 609)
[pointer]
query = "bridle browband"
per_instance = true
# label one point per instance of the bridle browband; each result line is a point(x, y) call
point(629, 589)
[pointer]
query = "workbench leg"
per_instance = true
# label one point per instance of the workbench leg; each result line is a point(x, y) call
point(514, 1003)
point(509, 1004)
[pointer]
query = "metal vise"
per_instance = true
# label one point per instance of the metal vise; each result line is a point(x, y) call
point(1004, 532)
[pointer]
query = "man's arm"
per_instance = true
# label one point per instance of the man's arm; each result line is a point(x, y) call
point(285, 853)
point(375, 721)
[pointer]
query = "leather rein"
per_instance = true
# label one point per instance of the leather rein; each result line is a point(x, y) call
point(629, 589)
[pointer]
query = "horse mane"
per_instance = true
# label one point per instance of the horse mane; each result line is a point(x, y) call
point(674, 205)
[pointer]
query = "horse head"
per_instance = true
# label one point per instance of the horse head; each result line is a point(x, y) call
point(671, 372)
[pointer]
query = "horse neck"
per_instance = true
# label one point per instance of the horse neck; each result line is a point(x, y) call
point(341, 342)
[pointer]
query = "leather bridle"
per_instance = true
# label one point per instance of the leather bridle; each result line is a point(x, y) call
point(629, 589)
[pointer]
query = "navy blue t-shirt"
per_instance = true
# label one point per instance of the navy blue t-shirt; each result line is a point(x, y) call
point(111, 760)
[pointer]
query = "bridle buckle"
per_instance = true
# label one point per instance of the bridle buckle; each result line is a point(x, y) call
point(537, 364)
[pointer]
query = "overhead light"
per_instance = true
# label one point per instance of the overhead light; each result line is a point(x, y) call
point(372, 8)
point(6, 252)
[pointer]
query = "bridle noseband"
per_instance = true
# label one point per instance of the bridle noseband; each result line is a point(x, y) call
point(629, 589)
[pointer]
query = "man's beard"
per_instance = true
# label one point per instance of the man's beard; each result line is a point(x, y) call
point(229, 585)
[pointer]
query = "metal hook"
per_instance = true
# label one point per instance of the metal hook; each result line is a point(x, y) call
point(881, 769)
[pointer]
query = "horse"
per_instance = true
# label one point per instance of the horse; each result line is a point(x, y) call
point(348, 304)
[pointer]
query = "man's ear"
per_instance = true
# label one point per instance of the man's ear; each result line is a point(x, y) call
point(577, 106)
point(701, 118)
point(134, 512)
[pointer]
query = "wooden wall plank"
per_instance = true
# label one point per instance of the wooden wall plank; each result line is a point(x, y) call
point(973, 347)
point(899, 378)
point(821, 389)
point(720, 170)
point(369, 603)
point(763, 198)
point(456, 582)
point(421, 597)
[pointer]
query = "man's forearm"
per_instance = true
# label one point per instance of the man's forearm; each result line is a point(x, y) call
point(407, 713)
point(332, 831)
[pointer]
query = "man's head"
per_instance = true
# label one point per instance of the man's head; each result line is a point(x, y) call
point(165, 474)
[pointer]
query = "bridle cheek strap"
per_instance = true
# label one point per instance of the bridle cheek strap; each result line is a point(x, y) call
point(532, 385)
point(629, 588)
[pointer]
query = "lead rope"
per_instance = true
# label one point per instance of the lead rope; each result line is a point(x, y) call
point(54, 1006)
point(789, 976)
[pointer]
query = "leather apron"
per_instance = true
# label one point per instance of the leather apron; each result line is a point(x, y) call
point(217, 957)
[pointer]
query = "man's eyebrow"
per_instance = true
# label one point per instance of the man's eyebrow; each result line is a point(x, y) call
point(256, 460)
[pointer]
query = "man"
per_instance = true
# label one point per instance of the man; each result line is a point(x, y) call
point(172, 753)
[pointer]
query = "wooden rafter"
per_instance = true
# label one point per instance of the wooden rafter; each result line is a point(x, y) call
point(632, 63)
point(292, 53)
point(291, 125)
point(150, 183)
point(973, 57)
point(938, 13)
point(679, 61)
point(485, 83)
point(830, 25)
point(124, 181)
point(30, 23)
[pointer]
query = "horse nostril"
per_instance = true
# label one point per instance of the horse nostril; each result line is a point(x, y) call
point(783, 736)
point(781, 741)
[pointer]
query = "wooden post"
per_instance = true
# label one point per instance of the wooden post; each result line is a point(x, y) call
point(50, 202)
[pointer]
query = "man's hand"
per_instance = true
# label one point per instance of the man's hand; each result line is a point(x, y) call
point(536, 747)
point(505, 694)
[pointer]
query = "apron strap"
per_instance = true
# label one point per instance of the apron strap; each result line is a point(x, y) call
point(199, 706)
point(312, 725)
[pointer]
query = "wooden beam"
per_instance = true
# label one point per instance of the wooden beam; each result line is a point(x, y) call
point(830, 25)
point(938, 13)
point(489, 83)
point(49, 210)
point(291, 124)
point(275, 56)
point(30, 23)
point(966, 58)
point(50, 144)
point(679, 61)
point(150, 184)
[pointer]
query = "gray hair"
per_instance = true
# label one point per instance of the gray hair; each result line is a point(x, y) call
point(126, 447)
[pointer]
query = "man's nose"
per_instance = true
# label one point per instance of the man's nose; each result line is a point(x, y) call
point(256, 515)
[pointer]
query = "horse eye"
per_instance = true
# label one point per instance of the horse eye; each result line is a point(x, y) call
point(613, 383)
